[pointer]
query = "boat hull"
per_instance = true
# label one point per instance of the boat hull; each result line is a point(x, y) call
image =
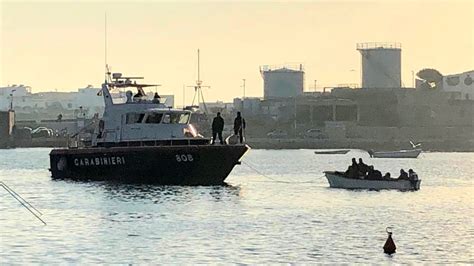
point(396, 154)
point(332, 152)
point(167, 165)
point(338, 181)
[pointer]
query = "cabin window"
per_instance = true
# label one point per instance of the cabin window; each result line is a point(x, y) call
point(183, 118)
point(176, 118)
point(167, 119)
point(154, 118)
point(133, 118)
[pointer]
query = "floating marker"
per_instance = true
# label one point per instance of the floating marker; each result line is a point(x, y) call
point(389, 247)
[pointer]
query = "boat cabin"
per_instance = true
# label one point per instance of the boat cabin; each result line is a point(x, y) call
point(140, 121)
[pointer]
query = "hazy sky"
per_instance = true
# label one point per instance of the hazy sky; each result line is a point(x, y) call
point(60, 45)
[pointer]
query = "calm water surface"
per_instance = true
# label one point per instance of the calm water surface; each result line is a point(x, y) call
point(288, 215)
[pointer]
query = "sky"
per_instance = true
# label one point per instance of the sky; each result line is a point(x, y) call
point(60, 45)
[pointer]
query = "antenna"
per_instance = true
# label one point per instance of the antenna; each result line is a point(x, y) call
point(198, 87)
point(199, 76)
point(107, 72)
point(184, 96)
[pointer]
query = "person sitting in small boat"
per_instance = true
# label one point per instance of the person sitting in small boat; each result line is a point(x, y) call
point(362, 167)
point(387, 177)
point(403, 175)
point(353, 170)
point(412, 176)
point(373, 174)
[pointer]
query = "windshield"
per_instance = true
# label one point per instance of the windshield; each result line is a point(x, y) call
point(176, 118)
point(154, 118)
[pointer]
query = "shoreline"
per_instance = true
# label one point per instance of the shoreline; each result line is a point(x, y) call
point(280, 144)
point(361, 144)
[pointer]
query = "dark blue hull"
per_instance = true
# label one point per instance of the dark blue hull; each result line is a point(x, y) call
point(167, 165)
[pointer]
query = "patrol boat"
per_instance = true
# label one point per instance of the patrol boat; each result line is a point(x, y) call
point(144, 141)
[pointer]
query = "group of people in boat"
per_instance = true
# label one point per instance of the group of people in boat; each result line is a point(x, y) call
point(363, 171)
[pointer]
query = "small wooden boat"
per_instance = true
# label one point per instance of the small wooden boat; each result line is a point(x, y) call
point(338, 180)
point(332, 152)
point(395, 154)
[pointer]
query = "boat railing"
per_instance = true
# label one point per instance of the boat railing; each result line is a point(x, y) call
point(154, 143)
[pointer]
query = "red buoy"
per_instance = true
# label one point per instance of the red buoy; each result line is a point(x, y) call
point(389, 247)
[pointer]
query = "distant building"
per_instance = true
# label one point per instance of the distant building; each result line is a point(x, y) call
point(9, 93)
point(219, 106)
point(462, 83)
point(249, 106)
point(381, 65)
point(282, 81)
point(48, 105)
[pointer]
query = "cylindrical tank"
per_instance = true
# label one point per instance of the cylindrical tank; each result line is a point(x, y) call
point(282, 82)
point(381, 65)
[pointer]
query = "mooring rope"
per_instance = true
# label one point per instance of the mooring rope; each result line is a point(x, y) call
point(22, 201)
point(273, 180)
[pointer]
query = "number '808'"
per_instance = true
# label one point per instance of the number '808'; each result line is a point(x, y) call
point(184, 158)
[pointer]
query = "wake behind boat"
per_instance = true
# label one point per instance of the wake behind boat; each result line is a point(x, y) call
point(338, 180)
point(145, 141)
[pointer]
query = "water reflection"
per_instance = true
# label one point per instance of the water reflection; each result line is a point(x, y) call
point(253, 223)
point(160, 194)
point(127, 192)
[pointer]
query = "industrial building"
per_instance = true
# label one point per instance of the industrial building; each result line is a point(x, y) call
point(381, 65)
point(282, 81)
point(440, 107)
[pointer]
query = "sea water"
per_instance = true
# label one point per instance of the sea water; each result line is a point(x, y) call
point(277, 208)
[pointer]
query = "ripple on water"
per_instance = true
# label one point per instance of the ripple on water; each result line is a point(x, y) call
point(288, 216)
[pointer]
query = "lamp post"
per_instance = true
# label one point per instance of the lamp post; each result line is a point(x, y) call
point(354, 70)
point(11, 100)
point(243, 97)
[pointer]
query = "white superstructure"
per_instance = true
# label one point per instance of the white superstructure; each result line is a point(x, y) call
point(139, 119)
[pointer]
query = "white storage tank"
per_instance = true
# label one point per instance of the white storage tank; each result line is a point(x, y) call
point(282, 81)
point(381, 64)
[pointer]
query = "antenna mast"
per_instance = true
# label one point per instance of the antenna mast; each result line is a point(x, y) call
point(198, 87)
point(199, 76)
point(107, 72)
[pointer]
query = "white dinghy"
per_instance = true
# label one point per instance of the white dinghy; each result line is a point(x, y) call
point(395, 154)
point(411, 153)
point(338, 180)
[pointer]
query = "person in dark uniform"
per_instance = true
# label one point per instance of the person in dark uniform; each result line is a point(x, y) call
point(217, 128)
point(239, 126)
point(156, 98)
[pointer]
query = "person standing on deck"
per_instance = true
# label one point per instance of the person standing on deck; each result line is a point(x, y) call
point(217, 128)
point(239, 126)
